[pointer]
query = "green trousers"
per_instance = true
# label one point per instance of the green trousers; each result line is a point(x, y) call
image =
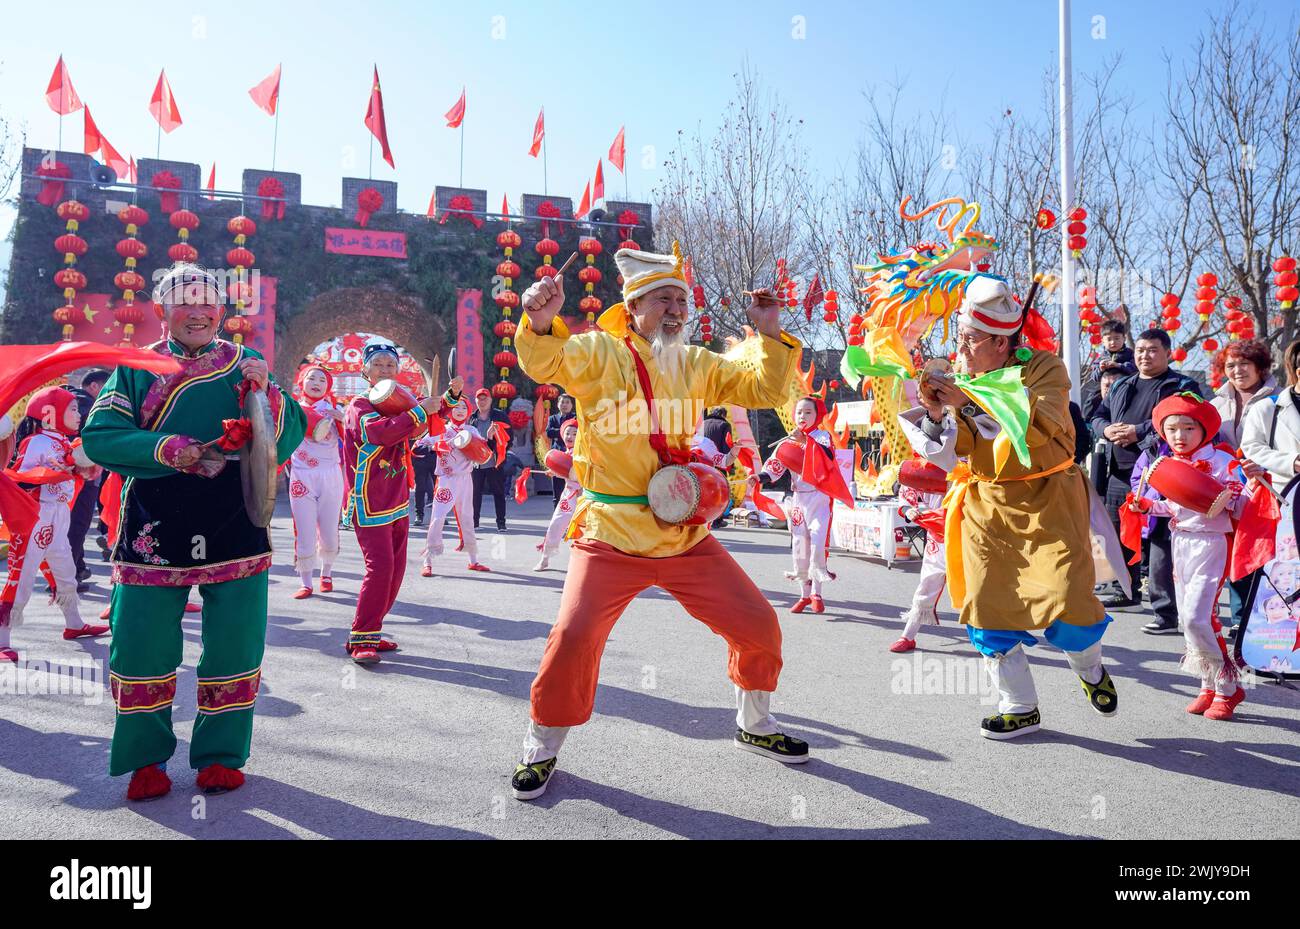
point(146, 651)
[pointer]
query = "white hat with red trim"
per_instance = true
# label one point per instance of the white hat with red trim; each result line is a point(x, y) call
point(989, 308)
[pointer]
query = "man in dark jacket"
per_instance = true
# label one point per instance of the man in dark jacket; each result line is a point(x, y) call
point(83, 510)
point(1124, 419)
point(488, 476)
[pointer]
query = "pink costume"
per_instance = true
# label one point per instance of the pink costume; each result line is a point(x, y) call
point(455, 486)
point(316, 487)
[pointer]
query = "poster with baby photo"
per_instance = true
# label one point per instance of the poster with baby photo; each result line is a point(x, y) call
point(1269, 641)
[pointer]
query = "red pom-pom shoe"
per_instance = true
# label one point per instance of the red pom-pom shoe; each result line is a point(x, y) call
point(84, 632)
point(1201, 703)
point(476, 566)
point(903, 645)
point(801, 604)
point(1221, 709)
point(217, 779)
point(818, 604)
point(326, 584)
point(302, 593)
point(148, 783)
point(426, 570)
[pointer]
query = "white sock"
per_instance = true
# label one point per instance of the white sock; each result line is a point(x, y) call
point(305, 577)
point(327, 567)
point(807, 589)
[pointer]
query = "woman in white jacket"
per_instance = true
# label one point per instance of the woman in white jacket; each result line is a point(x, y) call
point(1246, 365)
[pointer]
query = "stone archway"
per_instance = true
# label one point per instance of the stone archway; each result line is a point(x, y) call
point(400, 317)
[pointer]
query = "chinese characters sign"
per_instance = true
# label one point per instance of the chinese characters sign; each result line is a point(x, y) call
point(469, 340)
point(372, 242)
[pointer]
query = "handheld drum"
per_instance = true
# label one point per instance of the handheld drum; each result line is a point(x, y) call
point(790, 454)
point(692, 494)
point(318, 425)
point(559, 463)
point(923, 476)
point(1182, 483)
point(473, 447)
point(390, 398)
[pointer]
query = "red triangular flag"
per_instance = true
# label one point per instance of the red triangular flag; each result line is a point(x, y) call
point(163, 104)
point(432, 204)
point(60, 94)
point(598, 186)
point(456, 115)
point(212, 179)
point(505, 206)
point(375, 119)
point(93, 140)
point(618, 150)
point(820, 470)
point(114, 160)
point(585, 206)
point(267, 94)
point(539, 133)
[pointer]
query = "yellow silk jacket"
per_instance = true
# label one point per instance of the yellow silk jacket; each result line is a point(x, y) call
point(613, 453)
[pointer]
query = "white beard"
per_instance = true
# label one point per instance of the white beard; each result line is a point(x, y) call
point(669, 353)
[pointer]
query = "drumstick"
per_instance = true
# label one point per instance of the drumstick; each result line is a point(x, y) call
point(564, 267)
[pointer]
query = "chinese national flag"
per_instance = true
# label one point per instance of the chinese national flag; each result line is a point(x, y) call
point(814, 296)
point(60, 94)
point(539, 133)
point(212, 180)
point(598, 186)
point(163, 104)
point(456, 115)
point(267, 94)
point(121, 167)
point(375, 119)
point(585, 206)
point(618, 150)
point(93, 139)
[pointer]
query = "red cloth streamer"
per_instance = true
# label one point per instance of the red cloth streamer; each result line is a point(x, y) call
point(110, 506)
point(765, 503)
point(460, 208)
point(271, 187)
point(52, 187)
point(1130, 525)
point(169, 203)
point(521, 485)
point(499, 434)
point(1254, 544)
point(822, 472)
point(235, 434)
point(34, 365)
point(1037, 332)
point(932, 522)
point(368, 201)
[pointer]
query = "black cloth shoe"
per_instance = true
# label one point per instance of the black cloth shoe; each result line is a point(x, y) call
point(1117, 601)
point(1102, 695)
point(83, 574)
point(784, 748)
point(530, 780)
point(1003, 726)
point(1160, 627)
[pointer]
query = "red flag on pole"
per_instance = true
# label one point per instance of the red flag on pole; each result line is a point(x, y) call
point(539, 133)
point(432, 212)
point(212, 179)
point(598, 186)
point(375, 119)
point(114, 160)
point(585, 206)
point(93, 139)
point(60, 94)
point(505, 206)
point(267, 94)
point(618, 150)
point(163, 104)
point(457, 113)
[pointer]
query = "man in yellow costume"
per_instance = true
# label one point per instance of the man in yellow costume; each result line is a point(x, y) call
point(640, 389)
point(1018, 545)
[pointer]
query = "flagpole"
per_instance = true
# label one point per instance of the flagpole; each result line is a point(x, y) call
point(1069, 311)
point(462, 151)
point(158, 150)
point(62, 80)
point(545, 191)
point(626, 195)
point(275, 137)
point(370, 172)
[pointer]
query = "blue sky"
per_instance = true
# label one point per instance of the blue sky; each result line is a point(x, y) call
point(657, 68)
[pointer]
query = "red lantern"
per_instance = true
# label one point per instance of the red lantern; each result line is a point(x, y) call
point(1284, 282)
point(1045, 219)
point(129, 316)
point(505, 360)
point(546, 270)
point(129, 280)
point(590, 305)
point(547, 248)
point(546, 392)
point(507, 298)
point(72, 247)
point(181, 251)
point(183, 221)
point(72, 213)
point(1095, 339)
point(1179, 354)
point(238, 327)
point(589, 275)
point(240, 257)
point(241, 227)
point(504, 329)
point(629, 244)
point(64, 316)
point(1172, 325)
point(590, 246)
point(509, 270)
point(509, 240)
point(504, 390)
point(70, 280)
point(1077, 244)
point(133, 218)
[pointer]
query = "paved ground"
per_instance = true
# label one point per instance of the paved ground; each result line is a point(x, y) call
point(422, 746)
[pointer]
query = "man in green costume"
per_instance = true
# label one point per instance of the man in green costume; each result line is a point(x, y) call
point(182, 523)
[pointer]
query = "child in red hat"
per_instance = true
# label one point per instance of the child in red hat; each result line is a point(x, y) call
point(1189, 425)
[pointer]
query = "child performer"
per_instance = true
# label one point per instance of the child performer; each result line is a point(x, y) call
point(925, 510)
point(455, 487)
point(809, 509)
point(316, 486)
point(562, 515)
point(56, 417)
point(1188, 425)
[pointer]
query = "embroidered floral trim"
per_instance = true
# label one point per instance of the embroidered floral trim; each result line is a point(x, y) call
point(228, 694)
point(151, 576)
point(142, 694)
point(167, 451)
point(222, 356)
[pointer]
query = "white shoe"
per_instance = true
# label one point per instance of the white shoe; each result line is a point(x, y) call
point(543, 564)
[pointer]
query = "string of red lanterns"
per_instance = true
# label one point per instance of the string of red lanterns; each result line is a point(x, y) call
point(1090, 319)
point(72, 246)
point(1284, 282)
point(1077, 230)
point(129, 280)
point(506, 300)
point(241, 259)
point(590, 277)
point(831, 309)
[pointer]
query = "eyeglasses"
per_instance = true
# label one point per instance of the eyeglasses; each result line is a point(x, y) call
point(968, 339)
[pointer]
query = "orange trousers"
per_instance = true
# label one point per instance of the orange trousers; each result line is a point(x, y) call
point(602, 581)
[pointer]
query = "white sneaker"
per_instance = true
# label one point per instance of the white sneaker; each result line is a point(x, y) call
point(543, 564)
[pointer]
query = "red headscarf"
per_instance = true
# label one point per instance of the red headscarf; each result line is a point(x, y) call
point(819, 416)
point(55, 401)
point(1188, 404)
point(329, 384)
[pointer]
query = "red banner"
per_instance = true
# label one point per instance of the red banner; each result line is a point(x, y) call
point(469, 340)
point(262, 313)
point(370, 242)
